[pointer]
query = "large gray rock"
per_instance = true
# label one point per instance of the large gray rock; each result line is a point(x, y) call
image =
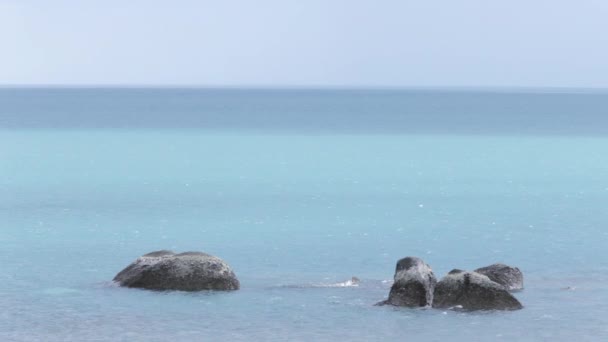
point(509, 277)
point(472, 291)
point(414, 284)
point(190, 271)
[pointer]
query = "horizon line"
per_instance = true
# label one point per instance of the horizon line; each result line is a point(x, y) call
point(502, 88)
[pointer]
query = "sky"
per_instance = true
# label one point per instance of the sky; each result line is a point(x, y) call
point(330, 43)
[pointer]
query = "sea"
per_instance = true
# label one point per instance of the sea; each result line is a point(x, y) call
point(299, 190)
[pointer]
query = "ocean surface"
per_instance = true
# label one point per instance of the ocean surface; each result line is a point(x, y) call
point(299, 190)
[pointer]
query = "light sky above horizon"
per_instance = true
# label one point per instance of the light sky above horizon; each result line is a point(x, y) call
point(383, 43)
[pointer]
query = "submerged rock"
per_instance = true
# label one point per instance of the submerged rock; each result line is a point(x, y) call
point(509, 277)
point(472, 291)
point(414, 284)
point(190, 271)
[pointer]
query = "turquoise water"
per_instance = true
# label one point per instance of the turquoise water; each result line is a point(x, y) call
point(295, 201)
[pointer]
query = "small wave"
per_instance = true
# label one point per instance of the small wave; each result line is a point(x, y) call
point(60, 291)
point(353, 282)
point(348, 283)
point(106, 284)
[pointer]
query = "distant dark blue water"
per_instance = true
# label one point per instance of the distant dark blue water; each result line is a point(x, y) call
point(309, 111)
point(295, 187)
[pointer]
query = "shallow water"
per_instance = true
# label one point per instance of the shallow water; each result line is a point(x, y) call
point(292, 210)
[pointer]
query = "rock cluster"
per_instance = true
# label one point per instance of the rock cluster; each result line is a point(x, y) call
point(486, 288)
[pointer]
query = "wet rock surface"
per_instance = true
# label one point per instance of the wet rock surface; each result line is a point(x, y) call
point(189, 271)
point(472, 291)
point(509, 277)
point(414, 284)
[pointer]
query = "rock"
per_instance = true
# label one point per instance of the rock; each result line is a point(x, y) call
point(190, 271)
point(414, 284)
point(509, 277)
point(472, 291)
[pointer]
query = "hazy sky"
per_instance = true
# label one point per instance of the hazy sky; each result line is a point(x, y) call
point(305, 42)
